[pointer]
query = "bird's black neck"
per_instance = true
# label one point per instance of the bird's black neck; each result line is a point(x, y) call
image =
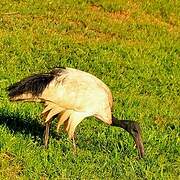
point(119, 123)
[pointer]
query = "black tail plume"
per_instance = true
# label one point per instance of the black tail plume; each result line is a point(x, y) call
point(34, 84)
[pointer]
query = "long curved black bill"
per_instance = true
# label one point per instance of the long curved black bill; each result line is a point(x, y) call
point(139, 145)
point(134, 129)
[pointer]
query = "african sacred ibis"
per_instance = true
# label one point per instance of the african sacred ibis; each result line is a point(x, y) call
point(72, 95)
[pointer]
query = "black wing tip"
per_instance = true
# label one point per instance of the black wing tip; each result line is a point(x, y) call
point(12, 90)
point(34, 84)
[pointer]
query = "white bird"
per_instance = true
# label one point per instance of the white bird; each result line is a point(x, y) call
point(72, 95)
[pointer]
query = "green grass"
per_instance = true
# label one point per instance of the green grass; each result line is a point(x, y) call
point(133, 46)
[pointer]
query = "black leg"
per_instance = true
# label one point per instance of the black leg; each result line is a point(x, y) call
point(46, 134)
point(74, 145)
point(74, 150)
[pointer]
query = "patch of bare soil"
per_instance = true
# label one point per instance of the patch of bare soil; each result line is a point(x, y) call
point(119, 15)
point(8, 166)
point(95, 7)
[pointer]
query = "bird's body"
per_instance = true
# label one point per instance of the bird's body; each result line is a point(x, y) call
point(74, 95)
point(69, 93)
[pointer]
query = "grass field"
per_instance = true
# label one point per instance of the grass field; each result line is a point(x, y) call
point(133, 46)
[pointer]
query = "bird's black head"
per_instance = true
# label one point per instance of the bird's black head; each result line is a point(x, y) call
point(134, 129)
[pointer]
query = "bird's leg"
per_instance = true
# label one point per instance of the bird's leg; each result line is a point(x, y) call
point(72, 137)
point(74, 145)
point(46, 130)
point(46, 134)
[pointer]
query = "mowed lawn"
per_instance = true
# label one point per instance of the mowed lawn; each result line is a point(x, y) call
point(133, 46)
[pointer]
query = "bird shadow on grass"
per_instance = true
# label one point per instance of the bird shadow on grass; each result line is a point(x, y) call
point(26, 125)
